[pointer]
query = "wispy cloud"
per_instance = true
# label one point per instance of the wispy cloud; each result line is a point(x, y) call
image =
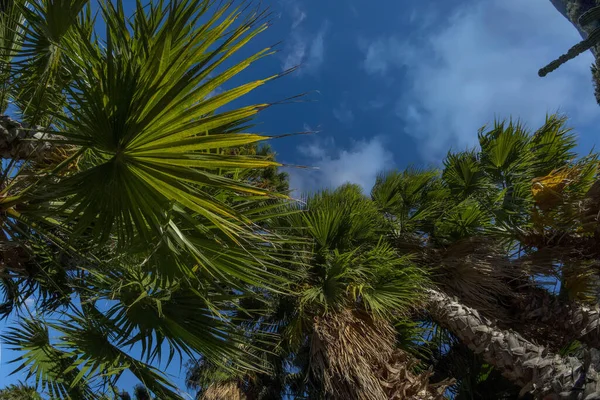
point(344, 114)
point(305, 49)
point(382, 54)
point(298, 16)
point(359, 164)
point(482, 63)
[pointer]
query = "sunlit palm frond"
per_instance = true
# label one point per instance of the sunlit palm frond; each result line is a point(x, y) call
point(139, 108)
point(552, 144)
point(504, 152)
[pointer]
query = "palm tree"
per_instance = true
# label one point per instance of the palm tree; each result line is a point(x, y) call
point(487, 226)
point(19, 391)
point(126, 217)
point(337, 329)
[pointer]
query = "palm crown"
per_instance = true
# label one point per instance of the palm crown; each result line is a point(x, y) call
point(119, 186)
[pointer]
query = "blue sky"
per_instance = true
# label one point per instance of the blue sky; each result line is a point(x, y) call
point(402, 82)
point(399, 82)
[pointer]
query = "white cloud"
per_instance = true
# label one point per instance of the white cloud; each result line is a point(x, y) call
point(482, 63)
point(344, 114)
point(305, 50)
point(296, 52)
point(360, 164)
point(315, 55)
point(383, 54)
point(298, 16)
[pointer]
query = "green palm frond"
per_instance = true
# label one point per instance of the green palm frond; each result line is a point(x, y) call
point(392, 285)
point(342, 218)
point(11, 19)
point(504, 151)
point(409, 200)
point(90, 344)
point(552, 144)
point(41, 359)
point(466, 219)
point(139, 110)
point(185, 320)
point(20, 391)
point(463, 174)
point(159, 150)
point(141, 197)
point(40, 66)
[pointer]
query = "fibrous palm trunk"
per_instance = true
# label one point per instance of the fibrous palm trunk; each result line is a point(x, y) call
point(531, 366)
point(223, 391)
point(353, 357)
point(21, 143)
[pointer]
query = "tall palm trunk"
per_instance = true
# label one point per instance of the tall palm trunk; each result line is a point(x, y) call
point(532, 367)
point(353, 357)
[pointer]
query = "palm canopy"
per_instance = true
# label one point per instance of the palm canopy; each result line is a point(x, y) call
point(484, 228)
point(19, 391)
point(497, 219)
point(516, 191)
point(336, 322)
point(122, 184)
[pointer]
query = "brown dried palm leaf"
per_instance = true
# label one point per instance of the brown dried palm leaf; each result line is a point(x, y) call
point(353, 357)
point(591, 209)
point(223, 391)
point(548, 190)
point(400, 382)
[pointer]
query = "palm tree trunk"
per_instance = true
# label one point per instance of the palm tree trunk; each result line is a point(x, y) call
point(20, 143)
point(532, 367)
point(223, 391)
point(572, 10)
point(354, 357)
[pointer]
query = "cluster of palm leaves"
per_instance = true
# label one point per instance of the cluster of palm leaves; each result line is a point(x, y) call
point(143, 225)
point(128, 222)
